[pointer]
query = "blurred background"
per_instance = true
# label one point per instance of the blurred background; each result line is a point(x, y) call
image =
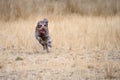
point(14, 9)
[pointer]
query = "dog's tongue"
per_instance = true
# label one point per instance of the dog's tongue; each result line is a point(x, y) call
point(42, 31)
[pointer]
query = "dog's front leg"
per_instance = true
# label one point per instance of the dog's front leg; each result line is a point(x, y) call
point(47, 48)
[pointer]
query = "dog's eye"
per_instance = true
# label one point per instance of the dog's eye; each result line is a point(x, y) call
point(45, 25)
point(39, 26)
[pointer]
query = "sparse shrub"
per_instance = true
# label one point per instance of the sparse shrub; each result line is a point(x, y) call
point(19, 59)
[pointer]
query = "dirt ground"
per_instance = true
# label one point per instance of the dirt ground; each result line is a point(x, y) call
point(59, 64)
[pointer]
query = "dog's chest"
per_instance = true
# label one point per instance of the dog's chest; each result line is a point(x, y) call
point(43, 35)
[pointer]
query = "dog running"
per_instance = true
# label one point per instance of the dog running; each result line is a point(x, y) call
point(42, 34)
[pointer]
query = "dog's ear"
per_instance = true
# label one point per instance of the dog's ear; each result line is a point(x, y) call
point(46, 20)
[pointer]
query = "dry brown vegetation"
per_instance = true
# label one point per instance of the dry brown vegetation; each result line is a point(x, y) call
point(14, 9)
point(69, 32)
point(85, 35)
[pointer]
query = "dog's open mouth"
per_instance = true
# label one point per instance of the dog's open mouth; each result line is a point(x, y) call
point(42, 31)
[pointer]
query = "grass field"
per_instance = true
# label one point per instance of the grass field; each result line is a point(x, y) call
point(85, 36)
point(81, 45)
point(70, 32)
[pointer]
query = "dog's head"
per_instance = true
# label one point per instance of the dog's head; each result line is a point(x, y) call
point(42, 26)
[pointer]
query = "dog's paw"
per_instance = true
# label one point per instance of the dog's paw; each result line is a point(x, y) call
point(49, 44)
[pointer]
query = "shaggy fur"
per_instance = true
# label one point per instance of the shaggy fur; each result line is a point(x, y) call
point(42, 34)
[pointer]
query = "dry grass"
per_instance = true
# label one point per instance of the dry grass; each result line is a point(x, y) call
point(14, 9)
point(110, 70)
point(69, 32)
point(84, 47)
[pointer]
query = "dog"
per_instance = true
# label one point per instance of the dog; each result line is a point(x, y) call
point(42, 34)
